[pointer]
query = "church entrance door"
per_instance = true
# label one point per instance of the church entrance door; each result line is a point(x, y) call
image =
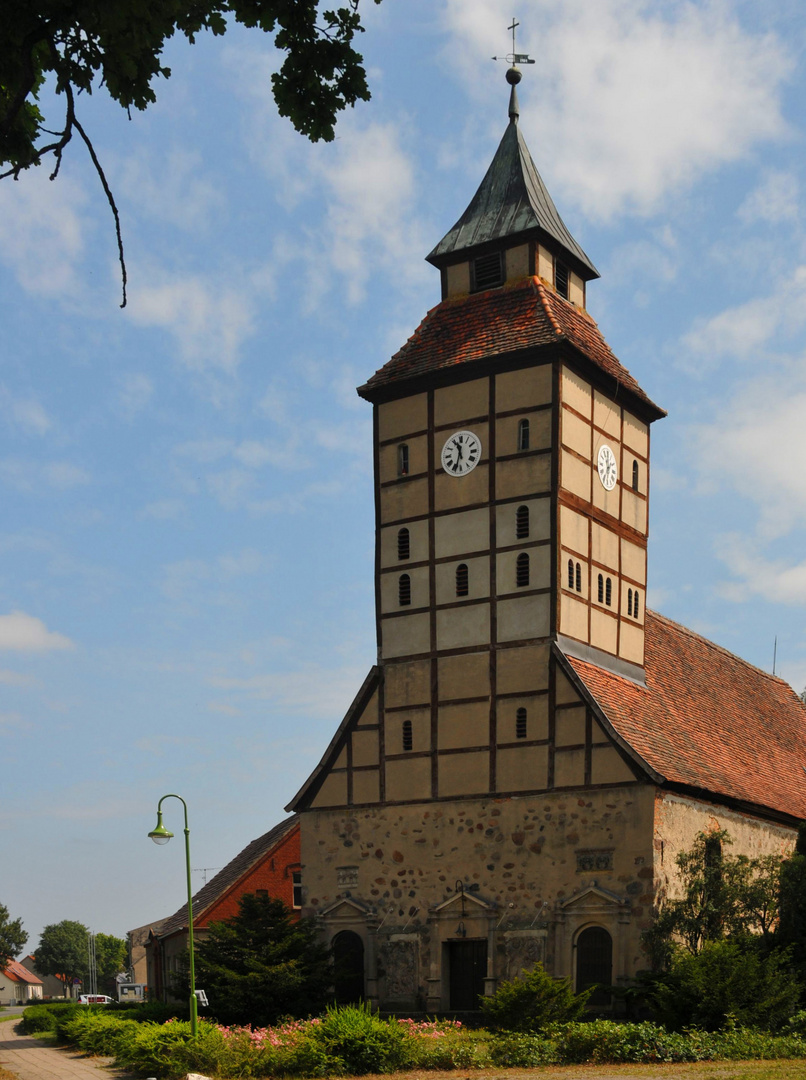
point(348, 967)
point(467, 962)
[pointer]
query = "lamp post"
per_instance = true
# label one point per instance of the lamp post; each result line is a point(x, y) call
point(160, 835)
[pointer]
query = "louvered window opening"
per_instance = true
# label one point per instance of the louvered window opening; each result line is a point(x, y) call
point(600, 591)
point(632, 603)
point(403, 460)
point(635, 476)
point(523, 435)
point(579, 578)
point(408, 738)
point(561, 278)
point(609, 593)
point(570, 573)
point(522, 570)
point(404, 590)
point(462, 579)
point(520, 724)
point(488, 271)
point(403, 544)
point(522, 522)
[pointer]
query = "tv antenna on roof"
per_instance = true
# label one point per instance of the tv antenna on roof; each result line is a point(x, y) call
point(515, 57)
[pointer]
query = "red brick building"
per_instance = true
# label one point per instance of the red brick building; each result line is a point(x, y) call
point(269, 865)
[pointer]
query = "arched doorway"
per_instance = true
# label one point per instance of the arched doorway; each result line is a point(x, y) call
point(348, 967)
point(595, 963)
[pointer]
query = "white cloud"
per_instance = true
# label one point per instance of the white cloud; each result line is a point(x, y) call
point(742, 331)
point(209, 319)
point(776, 580)
point(315, 693)
point(15, 678)
point(26, 413)
point(26, 633)
point(172, 189)
point(35, 476)
point(42, 231)
point(164, 510)
point(775, 200)
point(136, 390)
point(628, 103)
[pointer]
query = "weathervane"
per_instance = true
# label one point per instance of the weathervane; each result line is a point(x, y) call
point(515, 57)
point(513, 76)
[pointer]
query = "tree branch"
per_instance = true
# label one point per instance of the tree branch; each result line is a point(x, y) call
point(111, 200)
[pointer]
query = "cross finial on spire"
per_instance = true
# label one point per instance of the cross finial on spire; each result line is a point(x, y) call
point(513, 76)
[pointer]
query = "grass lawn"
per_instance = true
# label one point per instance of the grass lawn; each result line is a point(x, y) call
point(706, 1070)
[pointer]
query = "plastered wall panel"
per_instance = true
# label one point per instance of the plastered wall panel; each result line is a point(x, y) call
point(370, 713)
point(420, 720)
point(390, 587)
point(478, 580)
point(463, 725)
point(539, 569)
point(564, 692)
point(523, 389)
point(575, 476)
point(459, 279)
point(406, 499)
point(406, 635)
point(576, 290)
point(402, 417)
point(458, 628)
point(333, 791)
point(464, 774)
point(573, 617)
point(467, 675)
point(545, 264)
point(537, 717)
point(365, 747)
point(604, 547)
point(574, 531)
point(407, 684)
point(636, 435)
point(408, 778)
point(460, 402)
point(523, 617)
point(633, 561)
point(458, 534)
point(569, 726)
point(366, 786)
point(523, 669)
point(576, 392)
point(517, 262)
point(523, 768)
point(389, 458)
point(604, 629)
point(569, 768)
point(631, 642)
point(506, 517)
point(452, 492)
point(506, 432)
point(523, 476)
point(576, 433)
point(633, 511)
point(608, 767)
point(418, 544)
point(606, 415)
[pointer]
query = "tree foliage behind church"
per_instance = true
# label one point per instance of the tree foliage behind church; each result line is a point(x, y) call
point(12, 937)
point(261, 965)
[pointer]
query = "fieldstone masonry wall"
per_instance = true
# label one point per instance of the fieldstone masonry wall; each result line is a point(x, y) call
point(528, 883)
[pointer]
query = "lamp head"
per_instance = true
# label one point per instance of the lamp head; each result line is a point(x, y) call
point(159, 834)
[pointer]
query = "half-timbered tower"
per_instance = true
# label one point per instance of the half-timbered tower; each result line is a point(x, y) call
point(514, 776)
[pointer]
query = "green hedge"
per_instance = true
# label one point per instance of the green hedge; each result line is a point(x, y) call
point(354, 1041)
point(40, 1018)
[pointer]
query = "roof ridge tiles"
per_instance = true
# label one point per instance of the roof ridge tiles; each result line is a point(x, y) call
point(542, 293)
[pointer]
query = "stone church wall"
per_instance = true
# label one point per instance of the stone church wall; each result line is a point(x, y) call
point(535, 871)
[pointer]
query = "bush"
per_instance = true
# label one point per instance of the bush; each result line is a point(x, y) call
point(37, 1018)
point(532, 1002)
point(605, 1042)
point(726, 979)
point(363, 1042)
point(523, 1051)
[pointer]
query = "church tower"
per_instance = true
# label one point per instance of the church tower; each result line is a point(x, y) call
point(474, 811)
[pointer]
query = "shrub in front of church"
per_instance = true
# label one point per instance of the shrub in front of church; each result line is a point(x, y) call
point(533, 1001)
point(40, 1018)
point(356, 1036)
point(727, 982)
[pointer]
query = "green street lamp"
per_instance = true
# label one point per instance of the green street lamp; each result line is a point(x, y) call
point(160, 835)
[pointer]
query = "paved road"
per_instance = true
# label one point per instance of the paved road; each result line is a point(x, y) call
point(30, 1059)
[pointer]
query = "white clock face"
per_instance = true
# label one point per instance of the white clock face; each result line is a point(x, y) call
point(461, 453)
point(608, 470)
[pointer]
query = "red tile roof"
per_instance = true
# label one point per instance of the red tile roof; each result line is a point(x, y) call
point(15, 971)
point(708, 720)
point(523, 315)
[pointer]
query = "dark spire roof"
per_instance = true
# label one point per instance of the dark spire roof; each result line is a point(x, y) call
point(511, 200)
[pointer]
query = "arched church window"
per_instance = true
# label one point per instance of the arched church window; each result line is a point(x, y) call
point(609, 592)
point(635, 476)
point(629, 601)
point(570, 573)
point(523, 435)
point(600, 593)
point(462, 579)
point(403, 460)
point(579, 578)
point(408, 738)
point(404, 590)
point(635, 604)
point(594, 963)
point(522, 570)
point(522, 522)
point(520, 724)
point(403, 544)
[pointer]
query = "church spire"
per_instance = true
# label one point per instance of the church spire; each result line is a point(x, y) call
point(512, 204)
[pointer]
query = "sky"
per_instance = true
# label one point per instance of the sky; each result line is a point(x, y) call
point(186, 534)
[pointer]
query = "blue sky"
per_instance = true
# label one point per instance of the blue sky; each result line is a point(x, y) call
point(186, 594)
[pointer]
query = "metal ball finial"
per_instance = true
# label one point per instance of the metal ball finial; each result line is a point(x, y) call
point(513, 76)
